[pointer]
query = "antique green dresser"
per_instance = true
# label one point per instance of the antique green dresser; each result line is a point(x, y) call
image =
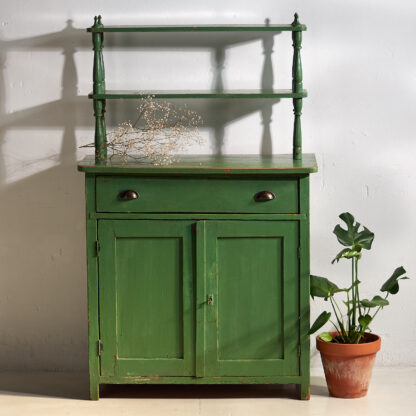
point(198, 271)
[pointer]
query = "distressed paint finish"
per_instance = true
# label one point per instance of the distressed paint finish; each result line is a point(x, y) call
point(159, 269)
point(200, 380)
point(195, 282)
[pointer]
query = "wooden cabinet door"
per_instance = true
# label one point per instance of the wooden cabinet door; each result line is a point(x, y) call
point(146, 287)
point(251, 298)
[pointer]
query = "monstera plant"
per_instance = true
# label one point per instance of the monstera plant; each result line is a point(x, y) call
point(353, 325)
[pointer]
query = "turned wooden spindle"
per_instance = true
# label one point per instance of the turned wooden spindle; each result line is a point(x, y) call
point(297, 87)
point(99, 88)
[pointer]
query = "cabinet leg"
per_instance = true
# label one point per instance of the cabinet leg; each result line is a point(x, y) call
point(94, 390)
point(303, 391)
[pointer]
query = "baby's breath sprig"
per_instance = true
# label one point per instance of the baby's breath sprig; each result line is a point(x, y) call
point(160, 131)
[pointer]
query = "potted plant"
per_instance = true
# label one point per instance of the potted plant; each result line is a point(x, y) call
point(348, 353)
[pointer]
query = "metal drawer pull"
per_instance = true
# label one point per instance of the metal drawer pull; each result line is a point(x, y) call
point(126, 195)
point(264, 196)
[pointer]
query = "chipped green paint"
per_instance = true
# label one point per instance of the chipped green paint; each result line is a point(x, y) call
point(194, 281)
point(157, 271)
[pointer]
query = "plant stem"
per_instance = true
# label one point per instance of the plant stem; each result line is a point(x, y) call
point(356, 286)
point(348, 310)
point(340, 313)
point(337, 330)
point(341, 325)
point(354, 300)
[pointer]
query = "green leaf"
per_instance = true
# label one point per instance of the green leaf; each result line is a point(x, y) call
point(392, 285)
point(346, 253)
point(351, 237)
point(364, 239)
point(320, 321)
point(376, 301)
point(364, 320)
point(325, 336)
point(321, 287)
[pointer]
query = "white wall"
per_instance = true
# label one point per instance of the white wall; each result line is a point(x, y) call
point(359, 68)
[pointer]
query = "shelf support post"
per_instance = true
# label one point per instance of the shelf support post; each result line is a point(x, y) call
point(297, 86)
point(100, 138)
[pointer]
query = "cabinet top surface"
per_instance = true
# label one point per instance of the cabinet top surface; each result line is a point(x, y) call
point(204, 164)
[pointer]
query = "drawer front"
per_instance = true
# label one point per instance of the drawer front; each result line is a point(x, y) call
point(195, 195)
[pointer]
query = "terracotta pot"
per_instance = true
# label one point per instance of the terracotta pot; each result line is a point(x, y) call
point(348, 367)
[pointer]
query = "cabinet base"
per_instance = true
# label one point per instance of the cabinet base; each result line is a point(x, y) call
point(302, 386)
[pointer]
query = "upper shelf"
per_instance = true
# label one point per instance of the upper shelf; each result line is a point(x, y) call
point(201, 28)
point(111, 94)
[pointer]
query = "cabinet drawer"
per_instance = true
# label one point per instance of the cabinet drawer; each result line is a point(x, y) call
point(195, 194)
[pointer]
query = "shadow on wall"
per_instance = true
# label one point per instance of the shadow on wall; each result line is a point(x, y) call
point(43, 300)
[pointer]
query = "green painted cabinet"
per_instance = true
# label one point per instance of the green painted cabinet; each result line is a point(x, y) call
point(195, 279)
point(198, 272)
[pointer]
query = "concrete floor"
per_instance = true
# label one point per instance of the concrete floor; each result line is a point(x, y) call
point(392, 391)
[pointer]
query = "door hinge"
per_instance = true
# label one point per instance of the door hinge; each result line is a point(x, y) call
point(97, 248)
point(99, 347)
point(299, 350)
point(299, 252)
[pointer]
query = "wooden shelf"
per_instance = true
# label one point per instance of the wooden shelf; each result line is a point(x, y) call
point(99, 93)
point(201, 28)
point(113, 94)
point(207, 164)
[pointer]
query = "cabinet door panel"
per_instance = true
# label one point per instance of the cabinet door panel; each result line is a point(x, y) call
point(251, 325)
point(146, 297)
